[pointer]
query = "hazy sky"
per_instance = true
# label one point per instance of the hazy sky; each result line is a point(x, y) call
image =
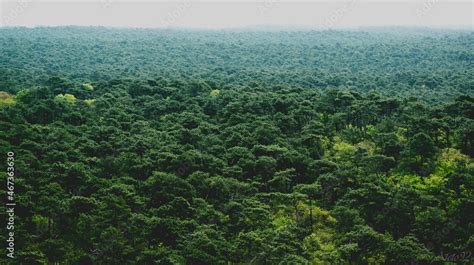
point(221, 14)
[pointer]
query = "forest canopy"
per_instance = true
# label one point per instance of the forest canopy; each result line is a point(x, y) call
point(141, 146)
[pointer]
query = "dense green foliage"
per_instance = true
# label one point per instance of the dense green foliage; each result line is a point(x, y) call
point(399, 62)
point(220, 147)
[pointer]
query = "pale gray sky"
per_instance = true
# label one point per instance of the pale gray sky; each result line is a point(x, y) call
point(222, 14)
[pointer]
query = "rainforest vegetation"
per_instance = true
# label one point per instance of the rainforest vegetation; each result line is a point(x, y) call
point(142, 146)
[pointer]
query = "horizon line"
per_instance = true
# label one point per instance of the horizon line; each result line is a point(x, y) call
point(256, 26)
